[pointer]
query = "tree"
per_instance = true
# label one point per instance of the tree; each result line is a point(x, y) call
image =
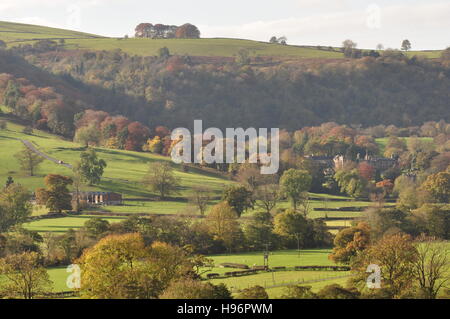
point(187, 31)
point(298, 292)
point(88, 135)
point(438, 185)
point(28, 160)
point(122, 267)
point(56, 195)
point(273, 39)
point(243, 57)
point(161, 179)
point(91, 167)
point(239, 198)
point(255, 292)
point(335, 291)
point(294, 183)
point(348, 47)
point(406, 45)
point(96, 227)
point(200, 197)
point(258, 230)
point(195, 289)
point(351, 183)
point(293, 226)
point(431, 266)
point(9, 181)
point(349, 242)
point(164, 53)
point(25, 276)
point(267, 196)
point(223, 224)
point(15, 206)
point(396, 256)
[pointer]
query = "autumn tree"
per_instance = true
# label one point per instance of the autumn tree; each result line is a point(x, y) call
point(438, 185)
point(15, 206)
point(336, 291)
point(298, 292)
point(396, 256)
point(349, 242)
point(294, 183)
point(223, 224)
point(28, 160)
point(122, 267)
point(187, 31)
point(239, 198)
point(56, 196)
point(90, 167)
point(161, 179)
point(25, 276)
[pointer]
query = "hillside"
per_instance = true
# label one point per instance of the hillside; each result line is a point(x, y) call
point(15, 34)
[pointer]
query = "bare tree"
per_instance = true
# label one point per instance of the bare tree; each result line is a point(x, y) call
point(199, 197)
point(267, 196)
point(161, 179)
point(28, 160)
point(431, 267)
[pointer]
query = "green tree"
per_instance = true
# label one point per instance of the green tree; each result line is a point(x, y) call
point(255, 292)
point(25, 276)
point(239, 198)
point(194, 289)
point(56, 195)
point(96, 227)
point(298, 292)
point(258, 230)
point(15, 206)
point(351, 183)
point(406, 45)
point(294, 183)
point(161, 179)
point(28, 160)
point(91, 167)
point(293, 226)
point(335, 291)
point(87, 135)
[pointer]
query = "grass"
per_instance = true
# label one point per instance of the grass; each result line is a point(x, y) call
point(382, 142)
point(15, 33)
point(63, 224)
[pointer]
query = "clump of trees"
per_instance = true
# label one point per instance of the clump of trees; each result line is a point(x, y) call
point(162, 31)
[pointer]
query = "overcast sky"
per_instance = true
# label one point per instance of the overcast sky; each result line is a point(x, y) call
point(426, 23)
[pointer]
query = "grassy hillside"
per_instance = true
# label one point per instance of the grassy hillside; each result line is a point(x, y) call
point(15, 33)
point(11, 32)
point(123, 174)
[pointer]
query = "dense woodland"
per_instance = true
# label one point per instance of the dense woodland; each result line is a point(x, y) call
point(173, 91)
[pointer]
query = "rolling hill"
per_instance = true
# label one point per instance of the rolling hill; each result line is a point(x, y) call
point(15, 34)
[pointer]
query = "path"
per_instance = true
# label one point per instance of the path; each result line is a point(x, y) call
point(54, 160)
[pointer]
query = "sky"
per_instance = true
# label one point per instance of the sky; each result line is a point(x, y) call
point(426, 23)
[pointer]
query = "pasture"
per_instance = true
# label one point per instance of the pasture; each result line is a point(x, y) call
point(15, 33)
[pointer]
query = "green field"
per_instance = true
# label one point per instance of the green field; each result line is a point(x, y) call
point(286, 258)
point(382, 142)
point(14, 34)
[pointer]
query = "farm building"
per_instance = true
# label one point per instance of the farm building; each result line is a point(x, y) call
point(102, 198)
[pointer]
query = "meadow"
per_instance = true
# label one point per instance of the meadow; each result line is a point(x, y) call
point(137, 199)
point(14, 34)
